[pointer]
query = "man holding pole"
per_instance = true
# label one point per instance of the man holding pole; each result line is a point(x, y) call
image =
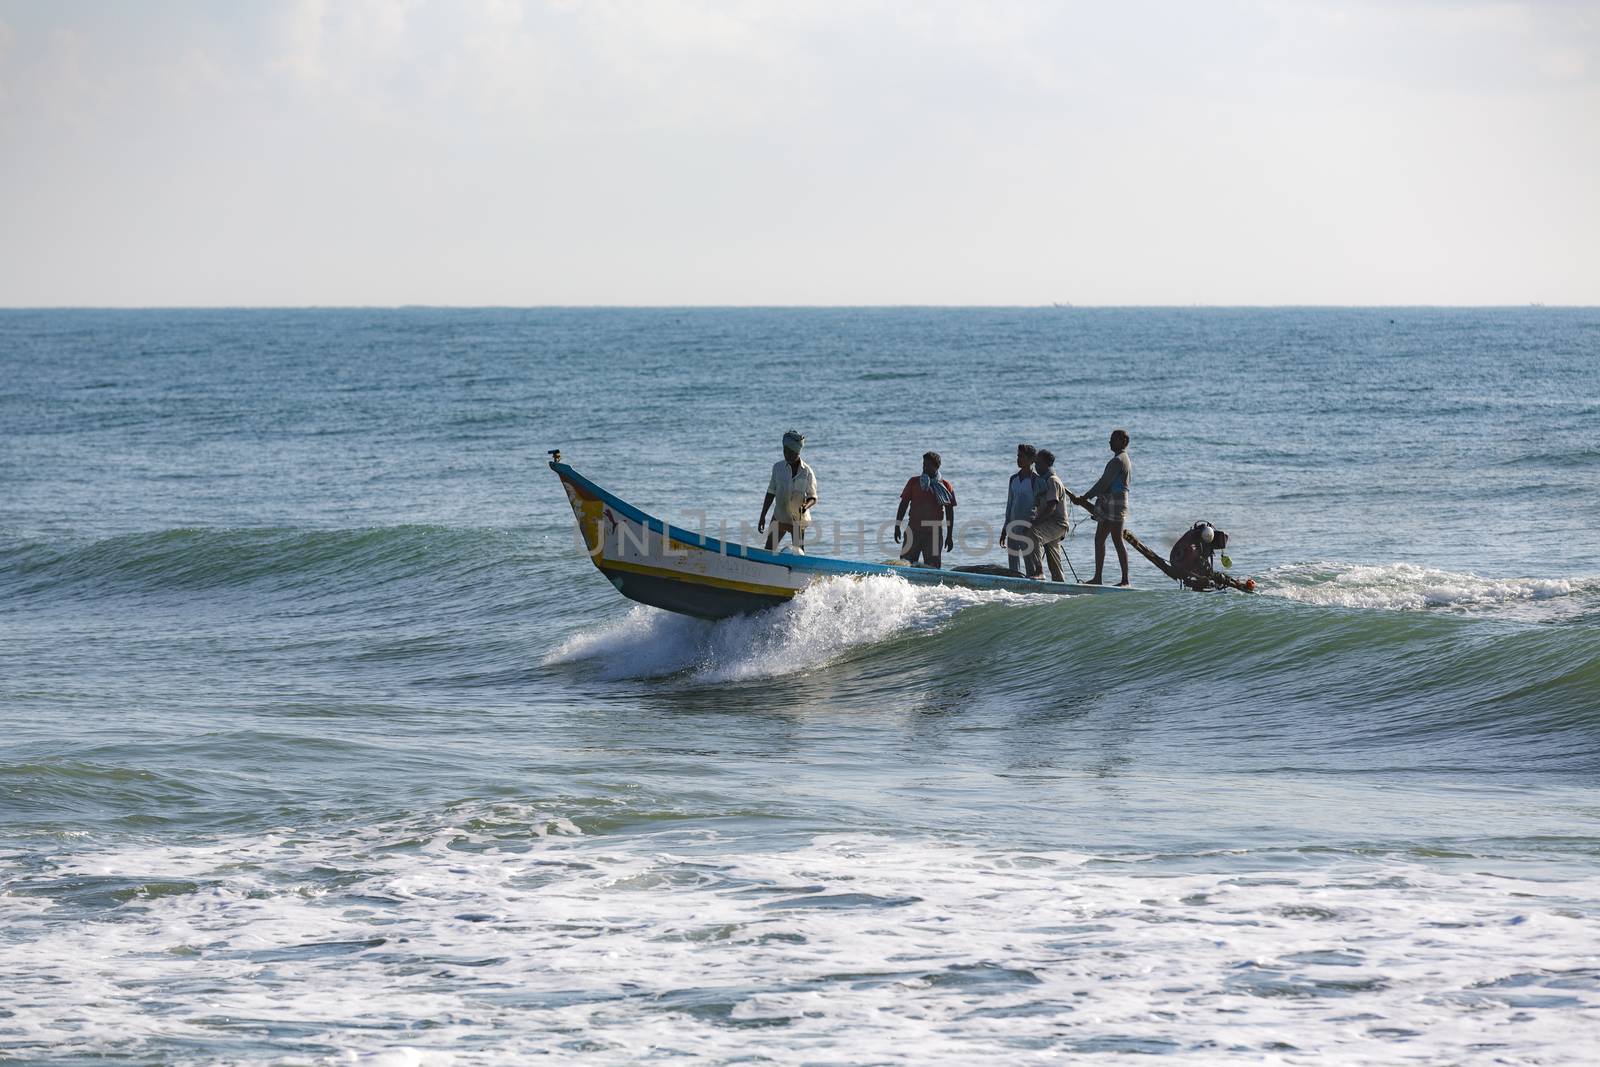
point(1110, 496)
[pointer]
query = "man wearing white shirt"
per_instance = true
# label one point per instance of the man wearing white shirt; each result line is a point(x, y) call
point(793, 489)
point(1016, 535)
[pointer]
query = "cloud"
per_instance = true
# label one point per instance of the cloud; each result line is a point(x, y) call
point(301, 53)
point(881, 150)
point(1476, 46)
point(7, 36)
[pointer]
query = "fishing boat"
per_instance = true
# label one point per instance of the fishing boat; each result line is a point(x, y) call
point(691, 573)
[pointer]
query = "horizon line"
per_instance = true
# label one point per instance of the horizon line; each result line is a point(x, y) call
point(1063, 306)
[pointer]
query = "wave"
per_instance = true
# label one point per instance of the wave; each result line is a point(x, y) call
point(821, 626)
point(290, 557)
point(1349, 654)
point(1408, 587)
point(278, 557)
point(848, 942)
point(835, 619)
point(1581, 458)
point(1286, 675)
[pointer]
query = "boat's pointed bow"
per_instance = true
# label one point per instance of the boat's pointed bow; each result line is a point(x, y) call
point(587, 508)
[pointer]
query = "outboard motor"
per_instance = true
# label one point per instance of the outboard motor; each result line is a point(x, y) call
point(1192, 556)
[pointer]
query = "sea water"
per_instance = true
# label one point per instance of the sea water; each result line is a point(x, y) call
point(323, 740)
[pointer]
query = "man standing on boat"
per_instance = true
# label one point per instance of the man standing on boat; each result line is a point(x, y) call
point(1049, 515)
point(932, 502)
point(794, 489)
point(1110, 496)
point(1022, 554)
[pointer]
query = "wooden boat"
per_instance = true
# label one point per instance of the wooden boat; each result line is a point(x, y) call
point(691, 573)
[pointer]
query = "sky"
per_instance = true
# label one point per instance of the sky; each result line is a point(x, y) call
point(674, 152)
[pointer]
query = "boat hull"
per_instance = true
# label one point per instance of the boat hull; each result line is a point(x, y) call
point(665, 566)
point(688, 598)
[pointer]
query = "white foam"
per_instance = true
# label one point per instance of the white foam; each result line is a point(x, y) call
point(820, 625)
point(402, 1056)
point(1407, 587)
point(506, 944)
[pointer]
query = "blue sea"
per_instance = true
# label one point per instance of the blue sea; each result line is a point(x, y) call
point(324, 742)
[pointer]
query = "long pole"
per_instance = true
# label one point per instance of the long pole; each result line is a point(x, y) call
point(1160, 564)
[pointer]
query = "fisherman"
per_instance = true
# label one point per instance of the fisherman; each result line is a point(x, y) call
point(1110, 496)
point(1022, 555)
point(794, 489)
point(932, 502)
point(1191, 557)
point(1049, 519)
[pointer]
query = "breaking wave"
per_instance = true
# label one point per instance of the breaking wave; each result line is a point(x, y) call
point(1437, 684)
point(611, 949)
point(826, 623)
point(1408, 587)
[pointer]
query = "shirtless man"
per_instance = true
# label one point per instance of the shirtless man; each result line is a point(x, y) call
point(1110, 496)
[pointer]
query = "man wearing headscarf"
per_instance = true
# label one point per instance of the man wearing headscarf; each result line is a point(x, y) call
point(793, 489)
point(932, 503)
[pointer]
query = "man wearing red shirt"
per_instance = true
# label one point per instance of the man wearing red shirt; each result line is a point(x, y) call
point(932, 502)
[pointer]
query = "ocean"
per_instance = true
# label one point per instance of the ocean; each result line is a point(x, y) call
point(324, 742)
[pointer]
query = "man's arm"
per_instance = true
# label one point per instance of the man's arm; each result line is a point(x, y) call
point(761, 523)
point(949, 516)
point(1014, 514)
point(1107, 476)
point(899, 516)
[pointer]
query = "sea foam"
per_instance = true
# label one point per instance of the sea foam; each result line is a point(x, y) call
point(858, 946)
point(821, 625)
point(1408, 587)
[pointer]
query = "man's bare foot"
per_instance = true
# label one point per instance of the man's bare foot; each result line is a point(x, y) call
point(1124, 584)
point(1092, 581)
